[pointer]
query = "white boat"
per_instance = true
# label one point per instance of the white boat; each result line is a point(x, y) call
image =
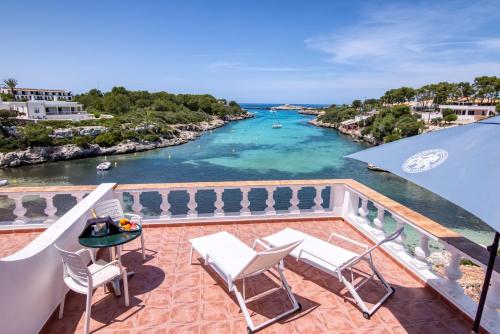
point(277, 126)
point(3, 183)
point(375, 168)
point(105, 165)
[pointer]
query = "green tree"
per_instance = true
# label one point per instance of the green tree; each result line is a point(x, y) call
point(357, 104)
point(11, 84)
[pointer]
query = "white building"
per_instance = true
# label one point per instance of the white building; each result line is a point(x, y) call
point(47, 110)
point(22, 94)
point(469, 113)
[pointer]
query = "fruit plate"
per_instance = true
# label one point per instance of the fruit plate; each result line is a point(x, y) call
point(131, 229)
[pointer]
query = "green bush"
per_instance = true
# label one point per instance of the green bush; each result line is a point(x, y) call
point(82, 141)
point(108, 139)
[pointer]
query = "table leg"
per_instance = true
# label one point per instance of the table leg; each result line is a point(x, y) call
point(116, 281)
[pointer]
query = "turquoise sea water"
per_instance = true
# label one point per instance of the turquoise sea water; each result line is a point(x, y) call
point(252, 150)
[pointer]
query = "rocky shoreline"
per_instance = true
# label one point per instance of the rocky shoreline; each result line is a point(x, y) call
point(182, 134)
point(354, 134)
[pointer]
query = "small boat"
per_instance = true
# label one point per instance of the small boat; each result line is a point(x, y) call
point(3, 183)
point(277, 126)
point(105, 165)
point(375, 168)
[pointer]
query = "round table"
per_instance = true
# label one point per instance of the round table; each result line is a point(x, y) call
point(111, 240)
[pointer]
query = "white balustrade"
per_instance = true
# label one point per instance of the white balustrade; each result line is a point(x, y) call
point(19, 210)
point(165, 203)
point(270, 202)
point(453, 273)
point(245, 203)
point(219, 203)
point(379, 221)
point(363, 211)
point(192, 205)
point(294, 201)
point(422, 252)
point(399, 243)
point(318, 199)
point(50, 209)
point(136, 204)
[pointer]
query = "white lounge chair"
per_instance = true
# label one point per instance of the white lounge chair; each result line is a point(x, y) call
point(113, 208)
point(233, 260)
point(85, 279)
point(335, 260)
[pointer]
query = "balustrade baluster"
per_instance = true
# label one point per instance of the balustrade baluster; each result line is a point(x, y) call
point(270, 210)
point(363, 211)
point(318, 199)
point(379, 221)
point(136, 205)
point(165, 204)
point(219, 203)
point(453, 274)
point(192, 205)
point(422, 252)
point(19, 210)
point(399, 243)
point(245, 203)
point(50, 209)
point(294, 201)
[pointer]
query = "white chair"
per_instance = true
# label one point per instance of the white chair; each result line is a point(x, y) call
point(113, 208)
point(233, 260)
point(85, 279)
point(335, 260)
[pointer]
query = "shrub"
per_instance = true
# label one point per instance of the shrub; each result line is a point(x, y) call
point(83, 142)
point(108, 139)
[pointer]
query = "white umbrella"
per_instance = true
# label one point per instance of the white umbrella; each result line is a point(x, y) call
point(461, 164)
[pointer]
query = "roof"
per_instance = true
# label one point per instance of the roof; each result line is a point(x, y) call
point(40, 90)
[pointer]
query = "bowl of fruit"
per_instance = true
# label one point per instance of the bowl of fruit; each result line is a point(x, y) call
point(127, 225)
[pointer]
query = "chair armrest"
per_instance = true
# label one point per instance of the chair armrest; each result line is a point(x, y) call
point(83, 250)
point(260, 242)
point(220, 266)
point(347, 239)
point(112, 263)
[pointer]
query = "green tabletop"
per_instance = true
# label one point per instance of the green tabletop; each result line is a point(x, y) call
point(114, 238)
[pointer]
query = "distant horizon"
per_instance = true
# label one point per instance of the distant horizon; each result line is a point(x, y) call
point(324, 52)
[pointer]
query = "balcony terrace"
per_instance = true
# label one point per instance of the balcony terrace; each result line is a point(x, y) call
point(169, 295)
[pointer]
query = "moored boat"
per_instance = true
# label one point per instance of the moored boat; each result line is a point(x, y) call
point(105, 165)
point(375, 168)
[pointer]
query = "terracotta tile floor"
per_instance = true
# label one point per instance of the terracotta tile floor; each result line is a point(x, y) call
point(12, 242)
point(168, 295)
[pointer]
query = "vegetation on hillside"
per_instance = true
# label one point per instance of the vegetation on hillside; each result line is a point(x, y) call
point(390, 116)
point(137, 115)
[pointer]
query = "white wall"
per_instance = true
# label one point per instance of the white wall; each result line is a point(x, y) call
point(31, 283)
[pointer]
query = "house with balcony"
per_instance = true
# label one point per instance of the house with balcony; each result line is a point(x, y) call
point(469, 113)
point(175, 291)
point(47, 110)
point(24, 94)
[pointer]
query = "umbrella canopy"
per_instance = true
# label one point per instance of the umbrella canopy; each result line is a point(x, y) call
point(461, 164)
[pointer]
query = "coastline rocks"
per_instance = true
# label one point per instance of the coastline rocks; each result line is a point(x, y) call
point(353, 134)
point(181, 134)
point(92, 131)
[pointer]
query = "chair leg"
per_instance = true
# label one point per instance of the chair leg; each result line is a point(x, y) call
point(87, 313)
point(125, 287)
point(142, 246)
point(61, 305)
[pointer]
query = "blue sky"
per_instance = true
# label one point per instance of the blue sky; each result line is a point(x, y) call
point(250, 51)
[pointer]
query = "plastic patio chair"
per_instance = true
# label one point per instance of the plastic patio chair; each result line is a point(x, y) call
point(113, 208)
point(85, 279)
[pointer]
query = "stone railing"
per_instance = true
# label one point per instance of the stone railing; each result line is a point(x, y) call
point(28, 207)
point(369, 212)
point(357, 199)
